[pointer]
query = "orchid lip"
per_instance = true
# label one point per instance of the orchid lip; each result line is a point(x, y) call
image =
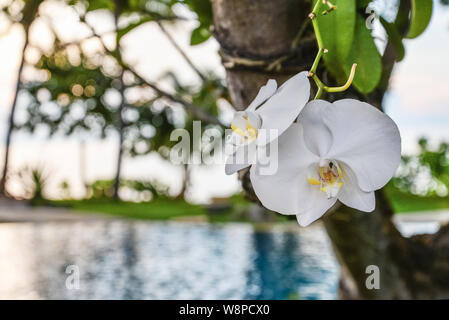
point(249, 131)
point(329, 178)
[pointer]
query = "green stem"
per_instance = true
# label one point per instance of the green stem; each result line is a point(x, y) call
point(321, 51)
point(347, 84)
point(319, 92)
point(312, 16)
point(317, 61)
point(320, 86)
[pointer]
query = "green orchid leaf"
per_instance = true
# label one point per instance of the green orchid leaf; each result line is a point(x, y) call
point(337, 33)
point(420, 17)
point(369, 62)
point(363, 3)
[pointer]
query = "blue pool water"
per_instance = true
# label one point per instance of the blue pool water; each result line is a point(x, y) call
point(140, 260)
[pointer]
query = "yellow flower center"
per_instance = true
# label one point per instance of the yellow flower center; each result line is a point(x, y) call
point(330, 179)
point(248, 134)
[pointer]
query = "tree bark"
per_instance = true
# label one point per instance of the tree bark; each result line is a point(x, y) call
point(416, 267)
point(259, 30)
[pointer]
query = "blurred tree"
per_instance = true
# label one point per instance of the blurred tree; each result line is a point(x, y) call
point(65, 190)
point(208, 95)
point(83, 85)
point(145, 189)
point(436, 160)
point(34, 181)
point(118, 7)
point(25, 16)
point(430, 165)
point(273, 39)
point(83, 93)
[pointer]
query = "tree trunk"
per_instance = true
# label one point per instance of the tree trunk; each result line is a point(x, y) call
point(28, 14)
point(119, 119)
point(185, 182)
point(417, 267)
point(259, 31)
point(11, 121)
point(82, 166)
point(118, 170)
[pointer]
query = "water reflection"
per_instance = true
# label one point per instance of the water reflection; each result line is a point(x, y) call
point(139, 260)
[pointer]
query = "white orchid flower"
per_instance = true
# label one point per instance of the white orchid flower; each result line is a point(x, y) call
point(336, 151)
point(273, 110)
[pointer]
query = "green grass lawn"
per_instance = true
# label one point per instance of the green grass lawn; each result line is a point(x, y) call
point(162, 209)
point(166, 208)
point(406, 202)
point(159, 209)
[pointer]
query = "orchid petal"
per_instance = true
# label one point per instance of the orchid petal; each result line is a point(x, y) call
point(231, 167)
point(239, 120)
point(366, 140)
point(254, 120)
point(287, 191)
point(320, 204)
point(284, 106)
point(264, 94)
point(351, 195)
point(242, 158)
point(317, 135)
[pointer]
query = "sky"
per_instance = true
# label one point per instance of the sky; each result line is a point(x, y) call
point(418, 100)
point(419, 96)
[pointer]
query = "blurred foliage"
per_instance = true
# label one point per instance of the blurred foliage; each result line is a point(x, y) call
point(144, 190)
point(79, 97)
point(20, 11)
point(426, 174)
point(79, 90)
point(142, 11)
point(69, 87)
point(208, 96)
point(65, 189)
point(203, 9)
point(33, 181)
point(437, 161)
